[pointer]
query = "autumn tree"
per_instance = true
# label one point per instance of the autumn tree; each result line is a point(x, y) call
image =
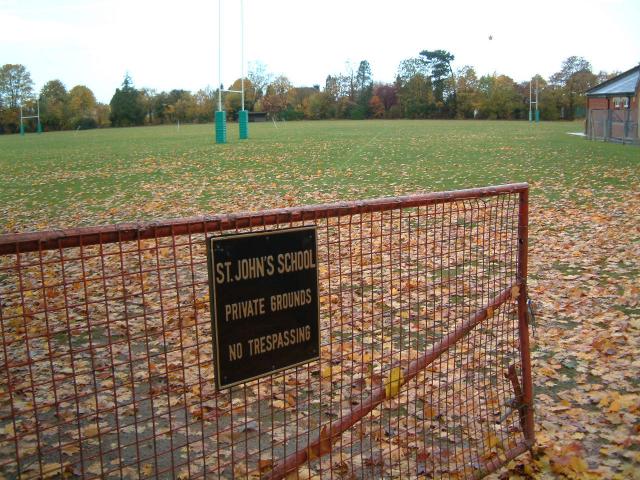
point(376, 107)
point(54, 110)
point(319, 106)
point(233, 101)
point(574, 78)
point(467, 100)
point(388, 95)
point(499, 98)
point(415, 90)
point(82, 107)
point(298, 102)
point(332, 87)
point(147, 101)
point(416, 97)
point(275, 100)
point(551, 100)
point(103, 113)
point(205, 104)
point(410, 67)
point(185, 107)
point(16, 85)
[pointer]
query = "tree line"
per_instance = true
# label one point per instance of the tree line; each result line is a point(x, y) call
point(426, 86)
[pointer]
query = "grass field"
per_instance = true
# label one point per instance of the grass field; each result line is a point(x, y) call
point(584, 228)
point(65, 179)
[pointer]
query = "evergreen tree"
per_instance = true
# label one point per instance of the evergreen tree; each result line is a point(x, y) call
point(126, 105)
point(444, 88)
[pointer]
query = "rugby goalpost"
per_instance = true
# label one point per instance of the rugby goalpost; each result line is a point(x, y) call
point(532, 102)
point(24, 117)
point(221, 114)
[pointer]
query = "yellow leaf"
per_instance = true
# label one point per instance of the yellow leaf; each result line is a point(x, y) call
point(91, 430)
point(615, 406)
point(489, 312)
point(147, 470)
point(330, 371)
point(393, 383)
point(8, 430)
point(578, 464)
point(492, 440)
point(515, 292)
point(17, 322)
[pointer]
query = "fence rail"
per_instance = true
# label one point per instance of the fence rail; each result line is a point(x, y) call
point(106, 367)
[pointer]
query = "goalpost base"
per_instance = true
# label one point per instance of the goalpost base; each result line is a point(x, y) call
point(243, 121)
point(221, 126)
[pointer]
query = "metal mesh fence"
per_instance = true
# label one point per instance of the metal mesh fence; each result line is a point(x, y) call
point(613, 125)
point(106, 362)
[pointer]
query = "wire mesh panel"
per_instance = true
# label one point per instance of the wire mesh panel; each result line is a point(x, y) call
point(613, 125)
point(106, 368)
point(598, 125)
point(623, 126)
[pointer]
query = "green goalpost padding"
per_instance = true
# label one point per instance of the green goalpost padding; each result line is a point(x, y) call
point(243, 120)
point(221, 126)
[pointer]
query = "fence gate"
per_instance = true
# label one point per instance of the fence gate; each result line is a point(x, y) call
point(107, 370)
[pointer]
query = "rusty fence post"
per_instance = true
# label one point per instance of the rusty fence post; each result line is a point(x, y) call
point(523, 323)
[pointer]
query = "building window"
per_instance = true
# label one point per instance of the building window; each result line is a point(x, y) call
point(616, 102)
point(625, 102)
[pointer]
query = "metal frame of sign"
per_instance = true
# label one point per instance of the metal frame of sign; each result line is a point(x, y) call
point(213, 302)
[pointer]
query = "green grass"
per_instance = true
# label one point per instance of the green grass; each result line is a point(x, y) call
point(62, 179)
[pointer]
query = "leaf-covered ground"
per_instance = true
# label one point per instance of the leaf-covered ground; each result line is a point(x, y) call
point(584, 251)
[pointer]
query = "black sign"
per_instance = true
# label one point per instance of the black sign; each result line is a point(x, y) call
point(264, 302)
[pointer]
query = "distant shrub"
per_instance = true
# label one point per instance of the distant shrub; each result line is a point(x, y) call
point(84, 123)
point(359, 112)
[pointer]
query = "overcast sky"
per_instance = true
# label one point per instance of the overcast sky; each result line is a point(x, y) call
point(174, 44)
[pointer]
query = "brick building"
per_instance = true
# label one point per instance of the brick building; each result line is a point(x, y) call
point(613, 108)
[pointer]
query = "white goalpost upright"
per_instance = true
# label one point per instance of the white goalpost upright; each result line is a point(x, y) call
point(221, 114)
point(532, 102)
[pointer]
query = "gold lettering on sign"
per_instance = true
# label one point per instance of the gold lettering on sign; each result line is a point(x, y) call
point(274, 341)
point(283, 301)
point(296, 261)
point(244, 309)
